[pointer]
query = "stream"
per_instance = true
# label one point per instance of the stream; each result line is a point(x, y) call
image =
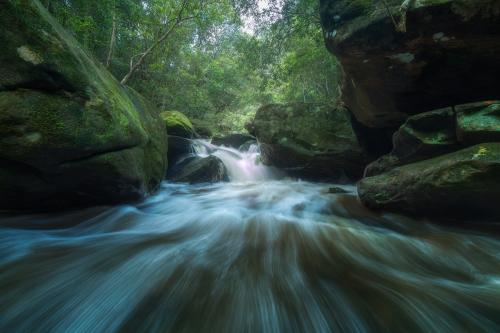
point(261, 253)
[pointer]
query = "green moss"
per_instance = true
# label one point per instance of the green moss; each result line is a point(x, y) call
point(177, 123)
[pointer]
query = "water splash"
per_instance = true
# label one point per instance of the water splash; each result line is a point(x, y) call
point(242, 166)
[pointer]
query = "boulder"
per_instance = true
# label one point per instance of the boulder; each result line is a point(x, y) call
point(202, 128)
point(438, 132)
point(439, 53)
point(234, 140)
point(71, 135)
point(314, 141)
point(195, 170)
point(178, 124)
point(459, 185)
point(180, 132)
point(422, 136)
point(247, 145)
point(478, 122)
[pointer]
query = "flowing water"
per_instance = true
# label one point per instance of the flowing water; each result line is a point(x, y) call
point(252, 255)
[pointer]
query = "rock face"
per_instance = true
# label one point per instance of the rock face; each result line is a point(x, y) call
point(478, 122)
point(180, 132)
point(422, 136)
point(461, 184)
point(200, 170)
point(439, 132)
point(447, 56)
point(71, 135)
point(310, 140)
point(234, 140)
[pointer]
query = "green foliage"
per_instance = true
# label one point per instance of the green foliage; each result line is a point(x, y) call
point(211, 67)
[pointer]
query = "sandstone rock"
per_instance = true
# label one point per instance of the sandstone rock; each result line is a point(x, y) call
point(234, 140)
point(447, 56)
point(71, 135)
point(313, 141)
point(422, 136)
point(462, 184)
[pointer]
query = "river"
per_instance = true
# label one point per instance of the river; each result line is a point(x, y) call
point(258, 254)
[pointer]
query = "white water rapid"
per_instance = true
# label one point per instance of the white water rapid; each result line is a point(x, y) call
point(253, 255)
point(242, 166)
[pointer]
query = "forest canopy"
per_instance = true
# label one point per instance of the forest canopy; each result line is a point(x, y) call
point(214, 60)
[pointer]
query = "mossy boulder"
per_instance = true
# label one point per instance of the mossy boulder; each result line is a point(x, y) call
point(196, 170)
point(180, 132)
point(202, 128)
point(459, 185)
point(422, 136)
point(71, 134)
point(446, 55)
point(313, 141)
point(234, 140)
point(438, 132)
point(478, 122)
point(178, 124)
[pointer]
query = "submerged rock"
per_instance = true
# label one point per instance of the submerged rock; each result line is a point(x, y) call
point(448, 55)
point(312, 141)
point(199, 170)
point(461, 184)
point(71, 135)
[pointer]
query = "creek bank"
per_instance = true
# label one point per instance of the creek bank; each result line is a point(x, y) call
point(401, 60)
point(71, 134)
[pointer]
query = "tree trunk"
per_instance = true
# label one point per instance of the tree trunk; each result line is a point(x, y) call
point(111, 42)
point(140, 61)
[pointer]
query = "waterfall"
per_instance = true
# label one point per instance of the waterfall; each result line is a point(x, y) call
point(242, 166)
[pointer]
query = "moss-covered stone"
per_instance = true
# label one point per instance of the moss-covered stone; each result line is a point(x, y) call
point(310, 140)
point(422, 136)
point(439, 132)
point(478, 122)
point(67, 123)
point(178, 124)
point(180, 132)
point(234, 140)
point(460, 185)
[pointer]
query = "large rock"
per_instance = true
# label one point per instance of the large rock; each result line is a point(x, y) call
point(461, 184)
point(478, 122)
point(71, 135)
point(180, 132)
point(234, 140)
point(438, 132)
point(422, 136)
point(310, 140)
point(449, 55)
point(202, 128)
point(199, 170)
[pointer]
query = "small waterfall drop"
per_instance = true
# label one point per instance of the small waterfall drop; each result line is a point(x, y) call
point(242, 166)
